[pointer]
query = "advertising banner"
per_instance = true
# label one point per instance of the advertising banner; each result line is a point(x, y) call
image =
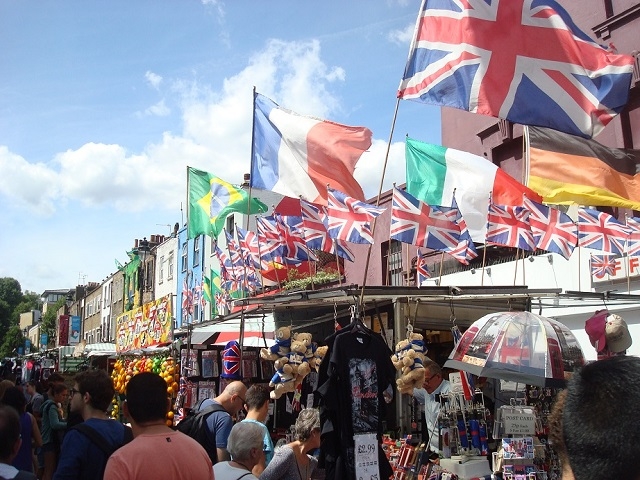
point(74, 330)
point(44, 341)
point(63, 331)
point(146, 326)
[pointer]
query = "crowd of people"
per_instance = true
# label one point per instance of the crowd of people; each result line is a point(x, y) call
point(39, 439)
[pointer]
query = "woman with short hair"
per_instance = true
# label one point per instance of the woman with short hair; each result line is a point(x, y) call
point(293, 461)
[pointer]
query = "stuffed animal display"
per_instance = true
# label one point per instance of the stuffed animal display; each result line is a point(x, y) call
point(293, 357)
point(408, 359)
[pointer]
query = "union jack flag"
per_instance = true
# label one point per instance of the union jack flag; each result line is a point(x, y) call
point(270, 238)
point(602, 265)
point(187, 299)
point(415, 222)
point(314, 218)
point(250, 248)
point(601, 231)
point(633, 242)
point(221, 300)
point(422, 269)
point(509, 226)
point(541, 62)
point(295, 247)
point(466, 249)
point(350, 219)
point(553, 230)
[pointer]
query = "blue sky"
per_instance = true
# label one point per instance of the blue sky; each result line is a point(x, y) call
point(104, 104)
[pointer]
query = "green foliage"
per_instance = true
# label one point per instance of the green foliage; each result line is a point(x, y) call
point(306, 281)
point(12, 340)
point(10, 297)
point(48, 324)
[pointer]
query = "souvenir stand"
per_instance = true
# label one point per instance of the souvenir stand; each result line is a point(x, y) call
point(143, 338)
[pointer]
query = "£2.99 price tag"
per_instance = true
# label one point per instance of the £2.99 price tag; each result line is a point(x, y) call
point(366, 450)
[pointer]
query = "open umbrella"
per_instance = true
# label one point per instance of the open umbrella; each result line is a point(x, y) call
point(518, 346)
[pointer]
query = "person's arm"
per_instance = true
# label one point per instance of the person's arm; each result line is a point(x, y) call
point(72, 450)
point(223, 454)
point(420, 394)
point(35, 432)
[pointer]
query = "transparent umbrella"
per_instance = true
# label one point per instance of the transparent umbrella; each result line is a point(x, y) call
point(518, 346)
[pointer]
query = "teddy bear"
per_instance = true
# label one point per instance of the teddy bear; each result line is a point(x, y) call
point(416, 342)
point(283, 380)
point(280, 348)
point(318, 356)
point(297, 360)
point(402, 347)
point(305, 338)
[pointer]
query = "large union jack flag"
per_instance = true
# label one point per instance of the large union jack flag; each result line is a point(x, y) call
point(633, 242)
point(415, 222)
point(349, 219)
point(509, 226)
point(249, 247)
point(270, 238)
point(601, 231)
point(521, 60)
point(553, 230)
point(602, 265)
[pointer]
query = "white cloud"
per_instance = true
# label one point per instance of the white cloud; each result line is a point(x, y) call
point(216, 137)
point(404, 36)
point(153, 79)
point(160, 109)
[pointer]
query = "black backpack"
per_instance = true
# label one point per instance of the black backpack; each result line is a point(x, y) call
point(195, 426)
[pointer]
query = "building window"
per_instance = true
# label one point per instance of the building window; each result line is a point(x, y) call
point(98, 304)
point(161, 272)
point(170, 267)
point(185, 254)
point(231, 225)
point(392, 262)
point(196, 251)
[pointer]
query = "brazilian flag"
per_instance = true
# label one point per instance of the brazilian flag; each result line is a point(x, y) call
point(212, 200)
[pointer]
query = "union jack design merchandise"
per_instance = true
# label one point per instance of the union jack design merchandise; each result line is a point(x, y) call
point(543, 63)
point(350, 219)
point(231, 361)
point(601, 231)
point(509, 226)
point(602, 265)
point(416, 223)
point(553, 230)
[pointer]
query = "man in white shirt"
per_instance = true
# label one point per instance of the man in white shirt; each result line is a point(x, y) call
point(433, 385)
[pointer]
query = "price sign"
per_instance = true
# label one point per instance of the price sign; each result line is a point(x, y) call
point(366, 450)
point(522, 423)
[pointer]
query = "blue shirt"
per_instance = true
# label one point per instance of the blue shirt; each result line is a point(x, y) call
point(82, 459)
point(268, 443)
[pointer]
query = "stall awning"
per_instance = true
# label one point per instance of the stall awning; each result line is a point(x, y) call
point(100, 349)
point(230, 328)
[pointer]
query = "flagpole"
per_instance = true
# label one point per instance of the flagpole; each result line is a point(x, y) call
point(373, 227)
point(253, 129)
point(626, 221)
point(515, 270)
point(441, 263)
point(484, 250)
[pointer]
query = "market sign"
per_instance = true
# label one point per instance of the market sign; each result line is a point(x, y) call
point(146, 326)
point(620, 269)
point(519, 423)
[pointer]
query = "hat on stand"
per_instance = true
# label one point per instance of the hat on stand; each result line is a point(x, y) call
point(617, 334)
point(595, 327)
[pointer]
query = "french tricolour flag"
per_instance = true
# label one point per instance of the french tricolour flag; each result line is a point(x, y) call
point(295, 155)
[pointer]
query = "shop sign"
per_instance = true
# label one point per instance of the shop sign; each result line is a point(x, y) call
point(519, 423)
point(146, 326)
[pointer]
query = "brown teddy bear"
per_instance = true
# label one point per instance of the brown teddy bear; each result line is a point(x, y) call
point(318, 356)
point(284, 380)
point(280, 348)
point(298, 360)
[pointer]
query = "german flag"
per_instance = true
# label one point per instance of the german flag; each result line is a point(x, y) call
point(566, 169)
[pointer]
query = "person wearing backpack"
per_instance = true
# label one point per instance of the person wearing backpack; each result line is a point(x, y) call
point(219, 421)
point(87, 446)
point(10, 443)
point(157, 451)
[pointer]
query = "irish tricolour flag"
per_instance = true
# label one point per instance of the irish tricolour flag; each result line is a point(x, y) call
point(434, 172)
